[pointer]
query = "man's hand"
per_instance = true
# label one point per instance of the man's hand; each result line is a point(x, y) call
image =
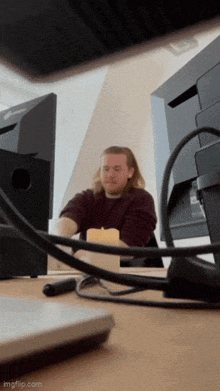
point(66, 228)
point(123, 244)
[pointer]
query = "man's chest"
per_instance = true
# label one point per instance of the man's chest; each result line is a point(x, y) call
point(109, 213)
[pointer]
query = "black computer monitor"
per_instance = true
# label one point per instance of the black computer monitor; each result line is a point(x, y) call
point(27, 149)
point(188, 100)
point(28, 129)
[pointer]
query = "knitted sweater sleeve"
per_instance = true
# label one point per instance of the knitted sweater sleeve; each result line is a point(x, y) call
point(139, 221)
point(79, 208)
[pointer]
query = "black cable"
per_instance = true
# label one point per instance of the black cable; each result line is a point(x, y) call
point(121, 292)
point(134, 251)
point(166, 177)
point(145, 303)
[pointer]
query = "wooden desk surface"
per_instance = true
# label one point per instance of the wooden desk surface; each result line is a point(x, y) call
point(151, 349)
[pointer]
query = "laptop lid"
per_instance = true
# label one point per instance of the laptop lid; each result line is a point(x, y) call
point(33, 330)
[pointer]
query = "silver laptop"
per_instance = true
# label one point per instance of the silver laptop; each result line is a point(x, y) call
point(38, 333)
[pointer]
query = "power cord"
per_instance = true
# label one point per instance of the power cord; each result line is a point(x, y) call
point(166, 177)
point(189, 305)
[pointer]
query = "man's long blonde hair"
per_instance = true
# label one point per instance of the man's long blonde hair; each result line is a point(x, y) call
point(136, 181)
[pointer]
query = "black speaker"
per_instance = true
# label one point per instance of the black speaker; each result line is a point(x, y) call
point(26, 181)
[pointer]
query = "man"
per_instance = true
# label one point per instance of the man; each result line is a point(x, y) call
point(117, 199)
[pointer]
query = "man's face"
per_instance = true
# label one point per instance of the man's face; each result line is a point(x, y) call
point(115, 173)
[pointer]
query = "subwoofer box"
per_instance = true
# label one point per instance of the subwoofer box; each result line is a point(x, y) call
point(25, 179)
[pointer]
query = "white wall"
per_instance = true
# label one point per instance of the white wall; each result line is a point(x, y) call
point(3, 107)
point(107, 106)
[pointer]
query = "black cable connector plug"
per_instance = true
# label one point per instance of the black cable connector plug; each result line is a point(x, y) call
point(60, 287)
point(193, 278)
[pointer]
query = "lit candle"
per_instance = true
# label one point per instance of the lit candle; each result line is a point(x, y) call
point(110, 235)
point(104, 236)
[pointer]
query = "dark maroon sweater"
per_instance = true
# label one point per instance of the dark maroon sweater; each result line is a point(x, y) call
point(133, 214)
